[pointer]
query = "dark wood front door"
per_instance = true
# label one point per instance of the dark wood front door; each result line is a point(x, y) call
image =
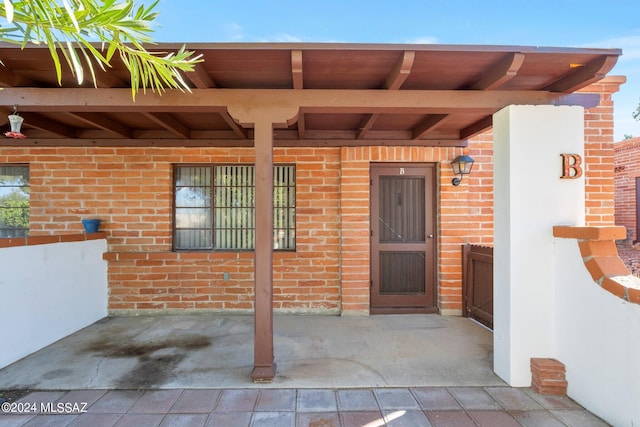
point(403, 238)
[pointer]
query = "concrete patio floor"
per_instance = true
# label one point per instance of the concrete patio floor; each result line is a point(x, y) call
point(212, 351)
point(409, 370)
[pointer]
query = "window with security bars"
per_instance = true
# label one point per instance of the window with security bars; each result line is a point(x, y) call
point(14, 200)
point(215, 207)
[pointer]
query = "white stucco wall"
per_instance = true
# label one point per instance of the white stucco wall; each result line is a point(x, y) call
point(48, 292)
point(529, 199)
point(546, 303)
point(598, 340)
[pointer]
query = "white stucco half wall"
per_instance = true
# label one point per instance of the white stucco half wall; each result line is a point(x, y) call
point(530, 199)
point(48, 292)
point(597, 340)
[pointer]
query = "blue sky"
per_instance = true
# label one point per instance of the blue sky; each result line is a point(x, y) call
point(559, 23)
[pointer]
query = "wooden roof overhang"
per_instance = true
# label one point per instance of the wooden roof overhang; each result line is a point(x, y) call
point(297, 95)
point(345, 94)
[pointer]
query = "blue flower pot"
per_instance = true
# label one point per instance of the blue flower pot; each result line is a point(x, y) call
point(91, 225)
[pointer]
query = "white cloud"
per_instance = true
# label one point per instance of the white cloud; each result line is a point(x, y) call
point(234, 31)
point(630, 45)
point(626, 100)
point(424, 40)
point(289, 38)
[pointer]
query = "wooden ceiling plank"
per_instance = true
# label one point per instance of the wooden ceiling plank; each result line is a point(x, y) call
point(430, 124)
point(170, 123)
point(200, 77)
point(104, 123)
point(401, 71)
point(107, 79)
point(9, 78)
point(296, 69)
point(584, 75)
point(500, 73)
point(47, 124)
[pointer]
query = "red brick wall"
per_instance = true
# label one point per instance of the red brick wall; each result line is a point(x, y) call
point(455, 204)
point(130, 189)
point(627, 169)
point(599, 155)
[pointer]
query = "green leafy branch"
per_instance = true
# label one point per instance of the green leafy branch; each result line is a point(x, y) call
point(88, 33)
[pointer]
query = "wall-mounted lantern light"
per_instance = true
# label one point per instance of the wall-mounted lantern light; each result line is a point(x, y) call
point(461, 166)
point(16, 124)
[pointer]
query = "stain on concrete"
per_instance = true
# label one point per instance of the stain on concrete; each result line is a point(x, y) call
point(128, 348)
point(150, 372)
point(157, 360)
point(57, 373)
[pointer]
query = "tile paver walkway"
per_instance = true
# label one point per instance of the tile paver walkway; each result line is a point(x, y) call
point(325, 407)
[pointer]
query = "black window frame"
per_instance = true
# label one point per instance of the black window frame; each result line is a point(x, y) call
point(6, 231)
point(209, 232)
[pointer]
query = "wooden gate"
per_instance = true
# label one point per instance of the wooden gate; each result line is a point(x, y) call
point(477, 283)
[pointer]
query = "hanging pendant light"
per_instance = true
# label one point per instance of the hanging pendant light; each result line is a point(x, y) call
point(16, 124)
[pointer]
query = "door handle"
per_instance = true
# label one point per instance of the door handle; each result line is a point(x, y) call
point(430, 236)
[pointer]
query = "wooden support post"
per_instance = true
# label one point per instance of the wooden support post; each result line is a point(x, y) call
point(263, 116)
point(264, 369)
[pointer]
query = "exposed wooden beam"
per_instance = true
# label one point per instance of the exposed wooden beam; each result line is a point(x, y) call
point(104, 123)
point(369, 121)
point(371, 142)
point(476, 128)
point(298, 83)
point(170, 123)
point(200, 77)
point(109, 142)
point(586, 100)
point(310, 100)
point(302, 127)
point(296, 69)
point(430, 124)
point(583, 75)
point(38, 121)
point(500, 73)
point(394, 81)
point(401, 71)
point(235, 127)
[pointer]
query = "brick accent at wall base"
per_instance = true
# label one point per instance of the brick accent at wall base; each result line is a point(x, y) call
point(548, 377)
